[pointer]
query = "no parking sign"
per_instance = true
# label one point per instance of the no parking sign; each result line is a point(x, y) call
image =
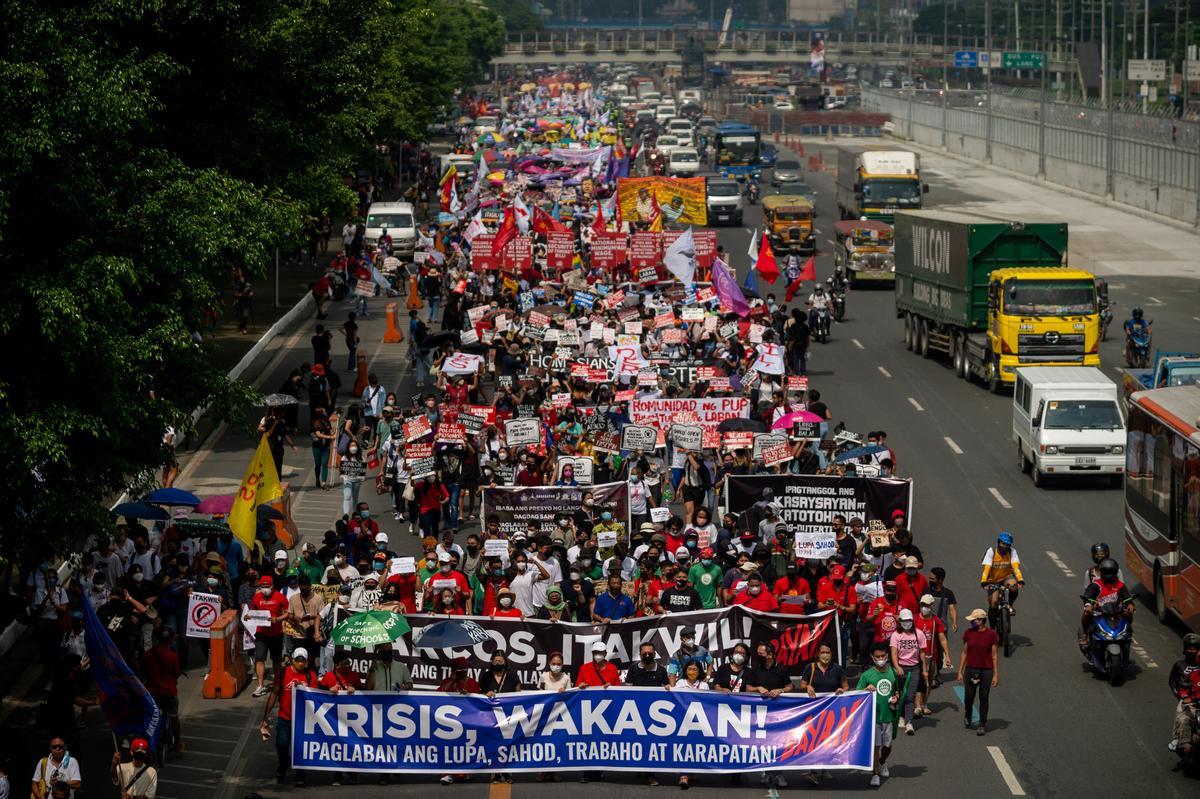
point(203, 612)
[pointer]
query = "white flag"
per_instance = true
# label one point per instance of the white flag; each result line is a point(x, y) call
point(680, 258)
point(522, 212)
point(475, 227)
point(753, 250)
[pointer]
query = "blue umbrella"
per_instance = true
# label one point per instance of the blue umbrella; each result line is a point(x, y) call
point(139, 510)
point(450, 633)
point(858, 452)
point(171, 496)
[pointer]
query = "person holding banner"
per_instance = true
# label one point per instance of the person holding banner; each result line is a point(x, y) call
point(281, 695)
point(881, 679)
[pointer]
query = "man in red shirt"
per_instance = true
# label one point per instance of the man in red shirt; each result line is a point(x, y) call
point(883, 611)
point(599, 671)
point(911, 585)
point(792, 591)
point(342, 679)
point(295, 674)
point(937, 650)
point(755, 598)
point(268, 639)
point(162, 680)
point(836, 593)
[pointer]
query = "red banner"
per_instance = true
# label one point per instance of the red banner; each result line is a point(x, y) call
point(645, 249)
point(560, 249)
point(481, 253)
point(518, 255)
point(608, 250)
point(706, 246)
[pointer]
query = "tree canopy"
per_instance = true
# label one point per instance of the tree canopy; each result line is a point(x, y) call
point(148, 150)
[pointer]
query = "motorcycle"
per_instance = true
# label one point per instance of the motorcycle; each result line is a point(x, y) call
point(838, 299)
point(820, 330)
point(1137, 349)
point(752, 191)
point(1189, 751)
point(1109, 641)
point(1106, 317)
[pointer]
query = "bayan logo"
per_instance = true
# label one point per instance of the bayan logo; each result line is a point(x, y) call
point(931, 249)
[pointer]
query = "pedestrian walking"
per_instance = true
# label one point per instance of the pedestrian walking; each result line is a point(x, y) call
point(978, 667)
point(350, 332)
point(296, 673)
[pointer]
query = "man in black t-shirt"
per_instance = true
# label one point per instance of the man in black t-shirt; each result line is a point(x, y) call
point(768, 677)
point(680, 597)
point(647, 673)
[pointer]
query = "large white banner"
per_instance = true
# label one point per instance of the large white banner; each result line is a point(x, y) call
point(704, 411)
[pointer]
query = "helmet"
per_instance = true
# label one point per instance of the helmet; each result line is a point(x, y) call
point(1005, 538)
point(1099, 552)
point(829, 280)
point(1108, 569)
point(1191, 640)
point(1137, 313)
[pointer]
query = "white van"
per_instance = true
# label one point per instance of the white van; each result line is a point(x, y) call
point(400, 222)
point(683, 162)
point(1066, 421)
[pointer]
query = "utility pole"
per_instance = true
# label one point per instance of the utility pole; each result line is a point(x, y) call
point(945, 69)
point(1145, 50)
point(1042, 101)
point(987, 36)
point(1109, 155)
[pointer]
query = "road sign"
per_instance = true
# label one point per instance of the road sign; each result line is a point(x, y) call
point(1140, 69)
point(1191, 69)
point(966, 59)
point(1023, 60)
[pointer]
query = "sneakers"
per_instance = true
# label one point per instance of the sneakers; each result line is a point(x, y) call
point(874, 780)
point(908, 728)
point(447, 780)
point(1173, 745)
point(967, 723)
point(260, 691)
point(780, 782)
point(980, 730)
point(883, 770)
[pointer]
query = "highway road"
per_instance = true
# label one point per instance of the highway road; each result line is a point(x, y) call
point(1054, 729)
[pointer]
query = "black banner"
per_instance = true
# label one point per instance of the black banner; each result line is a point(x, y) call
point(529, 642)
point(517, 507)
point(810, 501)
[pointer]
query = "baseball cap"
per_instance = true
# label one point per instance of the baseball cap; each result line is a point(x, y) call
point(889, 583)
point(911, 562)
point(682, 552)
point(746, 535)
point(906, 614)
point(280, 555)
point(599, 646)
point(706, 552)
point(837, 572)
point(927, 599)
point(266, 581)
point(978, 614)
point(381, 538)
point(443, 557)
point(898, 512)
point(139, 745)
point(299, 653)
point(748, 567)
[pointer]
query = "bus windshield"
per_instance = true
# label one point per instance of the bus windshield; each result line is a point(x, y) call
point(392, 220)
point(742, 149)
point(892, 192)
point(1082, 415)
point(1050, 297)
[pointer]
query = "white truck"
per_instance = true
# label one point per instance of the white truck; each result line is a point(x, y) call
point(1066, 421)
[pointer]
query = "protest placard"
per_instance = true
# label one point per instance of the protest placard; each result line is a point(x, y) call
point(687, 436)
point(522, 432)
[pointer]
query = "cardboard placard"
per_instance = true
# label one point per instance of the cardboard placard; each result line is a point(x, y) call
point(647, 274)
point(738, 439)
point(495, 547)
point(405, 565)
point(364, 288)
point(606, 539)
point(352, 469)
point(522, 432)
point(413, 452)
point(877, 532)
point(203, 612)
point(472, 423)
point(416, 428)
point(686, 436)
point(664, 320)
point(692, 314)
point(660, 515)
point(455, 434)
point(422, 467)
point(797, 383)
point(728, 330)
point(764, 440)
point(583, 299)
point(673, 335)
point(776, 453)
point(641, 437)
point(561, 400)
point(615, 300)
point(582, 465)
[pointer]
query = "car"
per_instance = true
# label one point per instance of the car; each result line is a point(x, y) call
point(768, 155)
point(484, 125)
point(400, 222)
point(724, 198)
point(691, 96)
point(666, 143)
point(683, 162)
point(664, 111)
point(784, 105)
point(786, 169)
point(886, 83)
point(800, 188)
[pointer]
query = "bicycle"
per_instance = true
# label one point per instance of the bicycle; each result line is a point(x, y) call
point(1001, 617)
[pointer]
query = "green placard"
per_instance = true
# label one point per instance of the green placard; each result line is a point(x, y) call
point(1023, 60)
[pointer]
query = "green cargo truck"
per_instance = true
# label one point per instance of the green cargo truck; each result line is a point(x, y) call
point(993, 294)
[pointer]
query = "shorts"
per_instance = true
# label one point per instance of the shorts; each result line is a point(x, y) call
point(883, 734)
point(169, 705)
point(693, 494)
point(268, 645)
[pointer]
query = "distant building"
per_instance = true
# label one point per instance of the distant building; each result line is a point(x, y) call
point(816, 11)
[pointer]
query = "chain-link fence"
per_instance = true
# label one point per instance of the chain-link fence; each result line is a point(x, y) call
point(1153, 163)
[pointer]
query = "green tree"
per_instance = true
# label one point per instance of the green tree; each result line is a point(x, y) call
point(518, 15)
point(147, 151)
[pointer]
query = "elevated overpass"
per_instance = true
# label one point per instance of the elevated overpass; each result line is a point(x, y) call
point(593, 46)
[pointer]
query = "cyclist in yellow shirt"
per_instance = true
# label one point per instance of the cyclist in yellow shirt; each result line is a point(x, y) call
point(1001, 566)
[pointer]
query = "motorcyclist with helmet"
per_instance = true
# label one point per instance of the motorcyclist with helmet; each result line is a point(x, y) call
point(1109, 588)
point(1091, 574)
point(1137, 325)
point(817, 301)
point(838, 282)
point(1185, 685)
point(1002, 566)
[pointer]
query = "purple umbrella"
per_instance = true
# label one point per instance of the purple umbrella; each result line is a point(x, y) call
point(220, 505)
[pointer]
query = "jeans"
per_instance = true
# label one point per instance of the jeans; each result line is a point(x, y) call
point(423, 365)
point(435, 303)
point(455, 491)
point(984, 687)
point(350, 495)
point(360, 305)
point(283, 748)
point(321, 463)
point(430, 520)
point(352, 358)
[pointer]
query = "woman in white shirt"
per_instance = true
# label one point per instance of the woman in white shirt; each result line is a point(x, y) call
point(693, 680)
point(555, 678)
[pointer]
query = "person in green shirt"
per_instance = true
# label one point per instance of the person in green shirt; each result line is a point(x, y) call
point(308, 563)
point(705, 576)
point(881, 678)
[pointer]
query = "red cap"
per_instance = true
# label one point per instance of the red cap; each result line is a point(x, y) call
point(460, 663)
point(318, 369)
point(139, 745)
point(837, 572)
point(266, 580)
point(898, 512)
point(746, 534)
point(886, 583)
point(706, 552)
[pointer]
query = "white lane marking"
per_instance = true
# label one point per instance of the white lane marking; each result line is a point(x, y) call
point(1063, 567)
point(857, 343)
point(1010, 779)
point(1004, 503)
point(1197, 318)
point(883, 371)
point(1156, 301)
point(1143, 655)
point(954, 447)
point(915, 404)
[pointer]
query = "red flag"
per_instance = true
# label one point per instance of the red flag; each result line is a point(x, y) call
point(792, 288)
point(809, 272)
point(598, 223)
point(446, 195)
point(543, 223)
point(768, 270)
point(506, 233)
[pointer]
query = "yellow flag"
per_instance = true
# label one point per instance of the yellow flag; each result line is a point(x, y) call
point(260, 484)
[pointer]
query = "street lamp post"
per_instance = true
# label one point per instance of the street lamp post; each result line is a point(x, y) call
point(987, 36)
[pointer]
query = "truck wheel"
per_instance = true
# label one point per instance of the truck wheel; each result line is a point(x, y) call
point(926, 350)
point(1022, 460)
point(994, 383)
point(908, 321)
point(960, 358)
point(914, 328)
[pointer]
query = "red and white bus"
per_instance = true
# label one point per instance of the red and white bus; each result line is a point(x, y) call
point(1162, 498)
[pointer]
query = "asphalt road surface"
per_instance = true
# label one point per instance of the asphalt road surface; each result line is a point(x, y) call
point(1054, 730)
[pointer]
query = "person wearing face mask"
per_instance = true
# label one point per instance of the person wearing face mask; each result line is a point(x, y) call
point(679, 596)
point(554, 678)
point(472, 559)
point(305, 609)
point(835, 592)
point(341, 567)
point(937, 652)
point(555, 607)
point(792, 591)
point(506, 605)
point(640, 497)
point(731, 676)
point(598, 672)
point(499, 679)
point(353, 469)
point(578, 593)
point(389, 674)
point(309, 564)
point(978, 667)
point(268, 638)
point(705, 577)
point(543, 556)
point(1184, 682)
point(527, 572)
point(907, 646)
point(881, 679)
point(911, 585)
point(882, 613)
point(297, 672)
point(756, 597)
point(486, 585)
point(689, 652)
point(613, 604)
point(279, 570)
point(136, 779)
point(608, 524)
